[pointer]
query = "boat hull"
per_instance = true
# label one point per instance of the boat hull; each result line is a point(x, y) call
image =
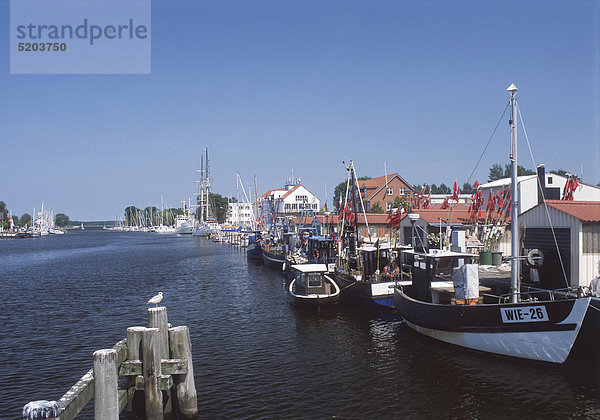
point(254, 253)
point(272, 259)
point(377, 293)
point(314, 300)
point(485, 327)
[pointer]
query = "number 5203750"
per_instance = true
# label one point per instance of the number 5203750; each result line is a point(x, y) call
point(42, 46)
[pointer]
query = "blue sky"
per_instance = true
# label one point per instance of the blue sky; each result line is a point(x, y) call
point(272, 87)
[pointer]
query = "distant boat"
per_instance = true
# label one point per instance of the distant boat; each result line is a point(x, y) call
point(312, 286)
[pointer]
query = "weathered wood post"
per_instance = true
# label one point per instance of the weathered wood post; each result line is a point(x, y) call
point(134, 352)
point(106, 397)
point(39, 410)
point(157, 318)
point(152, 371)
point(181, 348)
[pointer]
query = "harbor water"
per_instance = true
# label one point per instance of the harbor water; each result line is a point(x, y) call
point(255, 354)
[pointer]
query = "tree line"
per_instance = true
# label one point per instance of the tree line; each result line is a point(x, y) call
point(60, 219)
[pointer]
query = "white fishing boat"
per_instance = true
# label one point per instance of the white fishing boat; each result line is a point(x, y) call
point(312, 285)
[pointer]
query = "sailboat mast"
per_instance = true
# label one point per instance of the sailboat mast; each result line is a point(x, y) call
point(514, 279)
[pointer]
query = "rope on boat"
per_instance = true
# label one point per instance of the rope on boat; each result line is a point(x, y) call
point(488, 143)
point(562, 265)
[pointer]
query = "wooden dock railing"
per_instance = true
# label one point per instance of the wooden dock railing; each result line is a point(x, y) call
point(156, 360)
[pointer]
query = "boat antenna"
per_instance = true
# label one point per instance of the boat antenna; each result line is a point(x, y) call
point(514, 279)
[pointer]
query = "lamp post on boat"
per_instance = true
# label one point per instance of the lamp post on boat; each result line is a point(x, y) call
point(514, 279)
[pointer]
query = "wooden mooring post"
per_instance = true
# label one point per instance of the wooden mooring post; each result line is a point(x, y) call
point(156, 360)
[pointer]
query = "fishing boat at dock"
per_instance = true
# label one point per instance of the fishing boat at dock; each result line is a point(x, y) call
point(311, 285)
point(366, 273)
point(445, 300)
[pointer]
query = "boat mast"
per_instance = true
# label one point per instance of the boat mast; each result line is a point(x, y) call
point(514, 279)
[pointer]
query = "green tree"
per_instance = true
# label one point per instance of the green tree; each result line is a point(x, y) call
point(3, 214)
point(25, 219)
point(339, 191)
point(402, 201)
point(442, 189)
point(521, 171)
point(376, 208)
point(467, 188)
point(218, 205)
point(151, 215)
point(131, 215)
point(495, 173)
point(559, 172)
point(61, 220)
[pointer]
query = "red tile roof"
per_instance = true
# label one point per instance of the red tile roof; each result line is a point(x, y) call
point(586, 211)
point(458, 214)
point(375, 182)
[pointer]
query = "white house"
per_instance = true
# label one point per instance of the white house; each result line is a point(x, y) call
point(289, 200)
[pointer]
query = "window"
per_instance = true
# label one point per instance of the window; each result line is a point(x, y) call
point(301, 198)
point(591, 238)
point(364, 192)
point(402, 191)
point(390, 191)
point(314, 280)
point(314, 206)
point(288, 206)
point(388, 206)
point(549, 180)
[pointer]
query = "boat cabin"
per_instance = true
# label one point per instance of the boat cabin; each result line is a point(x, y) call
point(443, 277)
point(321, 249)
point(310, 279)
point(380, 261)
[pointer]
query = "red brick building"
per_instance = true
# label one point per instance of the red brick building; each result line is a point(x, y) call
point(384, 190)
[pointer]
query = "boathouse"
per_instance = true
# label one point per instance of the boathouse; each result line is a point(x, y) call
point(577, 230)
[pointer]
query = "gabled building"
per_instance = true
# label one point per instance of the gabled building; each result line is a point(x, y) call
point(384, 190)
point(288, 200)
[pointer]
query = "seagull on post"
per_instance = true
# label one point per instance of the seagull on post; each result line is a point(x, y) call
point(156, 299)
